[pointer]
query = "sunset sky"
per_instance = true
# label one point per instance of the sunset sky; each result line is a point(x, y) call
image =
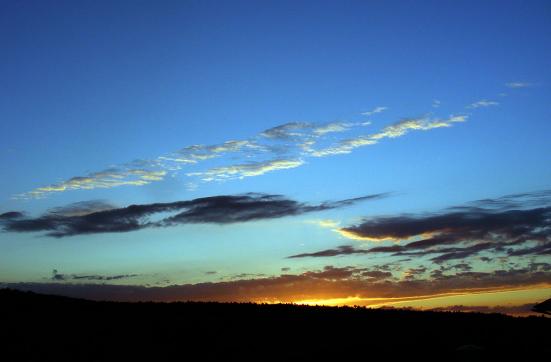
point(323, 152)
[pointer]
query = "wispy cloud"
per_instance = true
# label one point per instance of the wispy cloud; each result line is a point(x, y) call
point(482, 103)
point(393, 131)
point(375, 111)
point(196, 153)
point(109, 178)
point(285, 146)
point(518, 85)
point(81, 208)
point(245, 170)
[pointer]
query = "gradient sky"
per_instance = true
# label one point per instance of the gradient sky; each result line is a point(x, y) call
point(325, 129)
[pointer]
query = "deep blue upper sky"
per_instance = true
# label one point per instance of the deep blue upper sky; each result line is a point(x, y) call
point(91, 86)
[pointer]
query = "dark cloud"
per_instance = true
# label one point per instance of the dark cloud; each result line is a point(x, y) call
point(376, 274)
point(81, 208)
point(103, 277)
point(82, 219)
point(329, 282)
point(459, 232)
point(416, 271)
point(330, 272)
point(454, 226)
point(461, 253)
point(11, 215)
point(340, 250)
point(543, 249)
point(57, 276)
point(462, 266)
point(91, 277)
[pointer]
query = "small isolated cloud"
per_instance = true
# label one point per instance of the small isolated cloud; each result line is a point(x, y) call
point(482, 103)
point(375, 111)
point(327, 223)
point(436, 103)
point(56, 276)
point(518, 85)
point(216, 209)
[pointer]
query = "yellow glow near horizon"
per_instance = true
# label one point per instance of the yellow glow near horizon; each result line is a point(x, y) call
point(490, 298)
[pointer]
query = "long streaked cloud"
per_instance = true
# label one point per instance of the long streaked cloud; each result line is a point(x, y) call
point(56, 276)
point(285, 146)
point(109, 178)
point(393, 131)
point(512, 225)
point(224, 209)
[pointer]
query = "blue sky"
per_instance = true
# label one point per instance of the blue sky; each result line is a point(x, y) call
point(109, 100)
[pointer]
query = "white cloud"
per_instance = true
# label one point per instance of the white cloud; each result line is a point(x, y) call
point(103, 179)
point(245, 170)
point(287, 144)
point(374, 111)
point(482, 103)
point(326, 223)
point(287, 130)
point(332, 128)
point(518, 85)
point(393, 131)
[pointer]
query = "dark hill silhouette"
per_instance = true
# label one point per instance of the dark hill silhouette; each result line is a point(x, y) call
point(543, 307)
point(38, 327)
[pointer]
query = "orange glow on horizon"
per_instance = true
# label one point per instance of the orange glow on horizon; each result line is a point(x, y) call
point(490, 297)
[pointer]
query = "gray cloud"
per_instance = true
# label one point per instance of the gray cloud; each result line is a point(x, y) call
point(458, 232)
point(56, 276)
point(11, 215)
point(81, 208)
point(224, 209)
point(329, 282)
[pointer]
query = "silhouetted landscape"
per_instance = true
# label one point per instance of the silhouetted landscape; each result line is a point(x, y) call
point(42, 327)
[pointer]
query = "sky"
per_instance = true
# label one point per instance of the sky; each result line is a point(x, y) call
point(381, 153)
